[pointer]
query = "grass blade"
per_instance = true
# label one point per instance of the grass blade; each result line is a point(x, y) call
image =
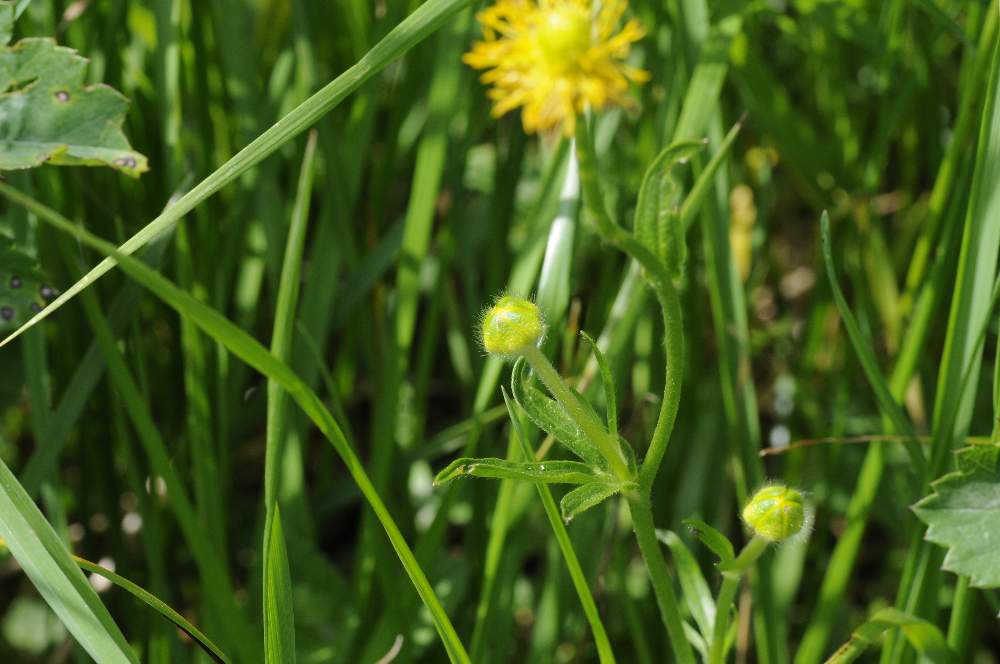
point(863, 349)
point(250, 351)
point(44, 558)
point(279, 619)
point(159, 606)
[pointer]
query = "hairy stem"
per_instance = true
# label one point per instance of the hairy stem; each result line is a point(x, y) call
point(659, 575)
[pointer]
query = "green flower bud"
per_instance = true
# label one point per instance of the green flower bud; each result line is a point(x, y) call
point(511, 326)
point(775, 513)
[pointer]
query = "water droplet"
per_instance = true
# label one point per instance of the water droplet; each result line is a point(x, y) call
point(7, 313)
point(125, 162)
point(62, 96)
point(35, 307)
point(48, 292)
point(541, 467)
point(15, 282)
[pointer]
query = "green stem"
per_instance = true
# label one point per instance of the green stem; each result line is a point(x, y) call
point(590, 427)
point(961, 617)
point(656, 275)
point(727, 594)
point(731, 578)
point(659, 575)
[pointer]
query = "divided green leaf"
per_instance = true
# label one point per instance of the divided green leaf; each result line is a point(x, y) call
point(6, 21)
point(581, 499)
point(607, 381)
point(713, 539)
point(564, 472)
point(963, 515)
point(657, 216)
point(549, 416)
point(50, 116)
point(925, 638)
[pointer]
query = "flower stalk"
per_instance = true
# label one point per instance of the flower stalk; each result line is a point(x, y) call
point(640, 504)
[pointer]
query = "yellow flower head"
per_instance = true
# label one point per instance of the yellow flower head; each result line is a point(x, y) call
point(554, 58)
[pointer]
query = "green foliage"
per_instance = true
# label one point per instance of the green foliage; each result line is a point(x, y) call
point(713, 539)
point(657, 211)
point(963, 515)
point(924, 636)
point(551, 417)
point(51, 116)
point(6, 21)
point(45, 560)
point(279, 622)
point(23, 290)
point(567, 472)
point(159, 606)
point(583, 498)
point(307, 345)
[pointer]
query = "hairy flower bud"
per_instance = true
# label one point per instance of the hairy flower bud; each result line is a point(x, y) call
point(775, 513)
point(511, 326)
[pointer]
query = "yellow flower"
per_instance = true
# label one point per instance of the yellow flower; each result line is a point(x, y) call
point(555, 58)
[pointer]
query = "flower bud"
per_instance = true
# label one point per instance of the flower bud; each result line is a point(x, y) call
point(775, 513)
point(511, 326)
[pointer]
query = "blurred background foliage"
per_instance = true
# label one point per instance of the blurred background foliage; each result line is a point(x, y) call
point(423, 209)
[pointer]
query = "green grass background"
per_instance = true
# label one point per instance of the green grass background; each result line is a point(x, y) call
point(413, 208)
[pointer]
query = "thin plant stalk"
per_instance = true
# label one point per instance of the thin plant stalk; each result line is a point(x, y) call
point(657, 277)
point(727, 594)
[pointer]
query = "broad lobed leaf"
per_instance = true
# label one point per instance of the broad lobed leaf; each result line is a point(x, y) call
point(50, 116)
point(963, 515)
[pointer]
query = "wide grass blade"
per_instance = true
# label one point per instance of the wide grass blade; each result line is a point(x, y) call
point(159, 606)
point(44, 558)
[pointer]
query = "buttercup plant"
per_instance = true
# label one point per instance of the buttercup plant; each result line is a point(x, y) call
point(559, 59)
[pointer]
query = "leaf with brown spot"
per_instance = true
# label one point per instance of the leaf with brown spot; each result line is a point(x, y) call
point(48, 115)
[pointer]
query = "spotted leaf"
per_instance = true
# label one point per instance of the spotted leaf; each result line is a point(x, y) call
point(48, 115)
point(23, 291)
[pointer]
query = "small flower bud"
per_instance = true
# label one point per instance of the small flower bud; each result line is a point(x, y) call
point(511, 326)
point(775, 513)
